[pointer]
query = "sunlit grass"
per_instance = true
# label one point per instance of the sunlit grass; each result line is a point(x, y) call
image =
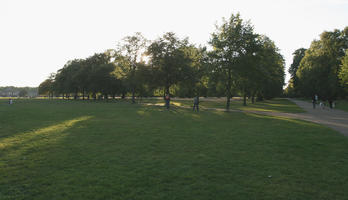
point(118, 150)
point(43, 133)
point(275, 105)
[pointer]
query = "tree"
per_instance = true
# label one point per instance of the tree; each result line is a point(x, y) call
point(343, 74)
point(131, 50)
point(168, 60)
point(23, 93)
point(232, 42)
point(99, 71)
point(93, 75)
point(47, 86)
point(195, 77)
point(298, 55)
point(269, 79)
point(320, 67)
point(293, 83)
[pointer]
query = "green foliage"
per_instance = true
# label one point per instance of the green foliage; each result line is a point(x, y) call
point(230, 44)
point(170, 60)
point(10, 91)
point(241, 62)
point(298, 55)
point(268, 77)
point(128, 60)
point(319, 68)
point(246, 62)
point(23, 93)
point(343, 74)
point(47, 86)
point(292, 89)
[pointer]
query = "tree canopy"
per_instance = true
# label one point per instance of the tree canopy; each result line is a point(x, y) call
point(242, 58)
point(320, 69)
point(238, 62)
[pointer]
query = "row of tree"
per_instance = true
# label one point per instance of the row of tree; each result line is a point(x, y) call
point(240, 62)
point(11, 91)
point(322, 69)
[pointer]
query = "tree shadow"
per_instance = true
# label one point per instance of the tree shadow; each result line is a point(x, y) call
point(15, 146)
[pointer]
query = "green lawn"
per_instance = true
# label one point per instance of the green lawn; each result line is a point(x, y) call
point(274, 105)
point(97, 150)
point(342, 105)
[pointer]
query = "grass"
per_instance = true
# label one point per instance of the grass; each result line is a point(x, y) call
point(274, 105)
point(342, 105)
point(97, 150)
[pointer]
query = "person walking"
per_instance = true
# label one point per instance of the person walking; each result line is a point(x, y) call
point(313, 102)
point(330, 103)
point(167, 100)
point(196, 103)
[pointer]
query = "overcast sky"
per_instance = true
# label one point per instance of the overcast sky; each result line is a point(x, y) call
point(38, 37)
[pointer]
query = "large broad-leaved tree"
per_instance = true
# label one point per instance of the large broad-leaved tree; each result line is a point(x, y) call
point(233, 43)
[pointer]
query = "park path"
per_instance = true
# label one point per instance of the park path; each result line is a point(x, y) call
point(335, 119)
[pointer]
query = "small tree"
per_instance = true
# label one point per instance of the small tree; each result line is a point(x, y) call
point(168, 60)
point(23, 93)
point(343, 75)
point(130, 51)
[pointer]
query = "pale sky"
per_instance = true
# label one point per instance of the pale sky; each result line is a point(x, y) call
point(38, 37)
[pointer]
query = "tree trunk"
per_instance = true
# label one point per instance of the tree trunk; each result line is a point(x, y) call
point(167, 90)
point(228, 102)
point(83, 94)
point(133, 95)
point(244, 99)
point(229, 84)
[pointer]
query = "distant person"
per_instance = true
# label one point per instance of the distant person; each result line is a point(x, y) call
point(313, 102)
point(330, 103)
point(316, 98)
point(10, 101)
point(196, 103)
point(167, 100)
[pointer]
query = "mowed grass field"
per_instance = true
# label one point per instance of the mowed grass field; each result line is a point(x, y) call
point(275, 105)
point(56, 149)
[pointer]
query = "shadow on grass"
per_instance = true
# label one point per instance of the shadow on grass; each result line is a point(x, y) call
point(295, 121)
point(147, 152)
point(23, 142)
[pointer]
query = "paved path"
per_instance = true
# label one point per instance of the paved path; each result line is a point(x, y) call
point(336, 119)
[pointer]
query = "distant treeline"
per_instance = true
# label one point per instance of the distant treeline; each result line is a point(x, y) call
point(322, 69)
point(11, 91)
point(237, 62)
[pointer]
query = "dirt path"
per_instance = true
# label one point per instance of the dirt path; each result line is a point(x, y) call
point(335, 119)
